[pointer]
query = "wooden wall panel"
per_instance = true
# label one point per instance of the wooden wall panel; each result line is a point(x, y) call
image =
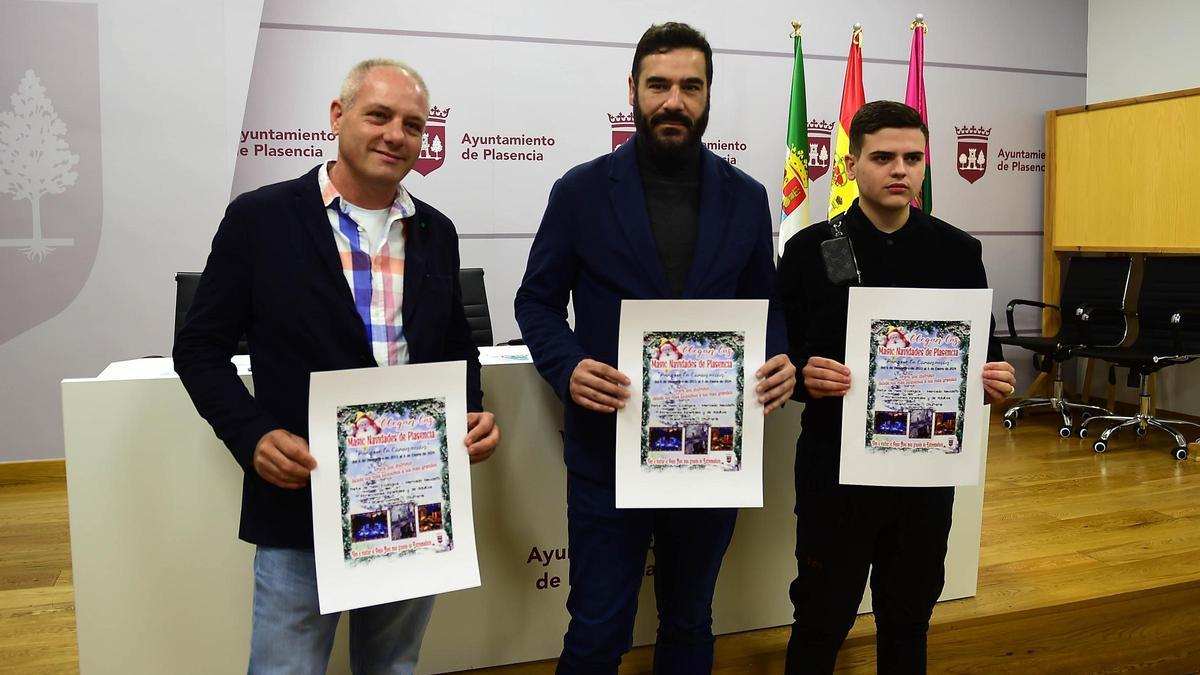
point(1124, 175)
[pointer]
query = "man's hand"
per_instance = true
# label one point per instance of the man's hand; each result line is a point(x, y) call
point(825, 378)
point(482, 435)
point(999, 381)
point(283, 460)
point(598, 386)
point(778, 377)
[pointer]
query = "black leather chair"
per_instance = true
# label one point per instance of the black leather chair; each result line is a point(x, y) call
point(185, 290)
point(475, 304)
point(1094, 288)
point(1168, 333)
point(471, 279)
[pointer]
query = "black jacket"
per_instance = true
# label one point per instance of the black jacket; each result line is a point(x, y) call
point(926, 253)
point(275, 274)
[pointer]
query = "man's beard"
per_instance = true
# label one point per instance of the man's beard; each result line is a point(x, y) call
point(676, 148)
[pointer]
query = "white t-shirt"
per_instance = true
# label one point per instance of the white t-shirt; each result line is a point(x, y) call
point(371, 226)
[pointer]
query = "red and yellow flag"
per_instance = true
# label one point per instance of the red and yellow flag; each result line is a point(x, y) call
point(842, 190)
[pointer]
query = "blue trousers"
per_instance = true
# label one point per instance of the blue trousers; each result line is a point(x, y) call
point(290, 635)
point(608, 550)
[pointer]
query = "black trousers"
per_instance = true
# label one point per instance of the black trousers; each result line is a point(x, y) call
point(843, 532)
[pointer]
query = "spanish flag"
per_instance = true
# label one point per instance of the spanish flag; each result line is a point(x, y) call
point(794, 213)
point(914, 97)
point(842, 190)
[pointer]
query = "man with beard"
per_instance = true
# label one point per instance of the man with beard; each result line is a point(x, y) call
point(659, 217)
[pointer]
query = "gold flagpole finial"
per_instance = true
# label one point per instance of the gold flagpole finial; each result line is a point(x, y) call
point(919, 21)
point(795, 29)
point(857, 35)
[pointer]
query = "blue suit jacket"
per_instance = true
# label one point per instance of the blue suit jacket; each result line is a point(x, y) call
point(595, 245)
point(274, 273)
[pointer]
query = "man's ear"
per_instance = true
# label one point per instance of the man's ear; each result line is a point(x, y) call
point(851, 162)
point(632, 89)
point(335, 116)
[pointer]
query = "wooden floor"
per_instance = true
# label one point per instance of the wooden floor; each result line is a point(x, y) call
point(37, 598)
point(1089, 563)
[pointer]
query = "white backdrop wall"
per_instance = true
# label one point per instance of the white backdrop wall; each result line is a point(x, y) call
point(1134, 53)
point(169, 110)
point(172, 83)
point(1144, 49)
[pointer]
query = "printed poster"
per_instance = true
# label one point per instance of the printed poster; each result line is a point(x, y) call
point(691, 432)
point(392, 515)
point(395, 479)
point(692, 398)
point(914, 411)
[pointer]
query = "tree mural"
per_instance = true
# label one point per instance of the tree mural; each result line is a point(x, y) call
point(34, 160)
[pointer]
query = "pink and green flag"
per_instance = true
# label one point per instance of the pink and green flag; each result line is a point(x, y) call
point(914, 97)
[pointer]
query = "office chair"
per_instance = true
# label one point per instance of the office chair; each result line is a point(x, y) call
point(1094, 288)
point(475, 304)
point(1168, 333)
point(471, 279)
point(185, 290)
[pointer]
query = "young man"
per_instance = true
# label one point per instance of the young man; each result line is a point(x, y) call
point(660, 217)
point(324, 272)
point(842, 530)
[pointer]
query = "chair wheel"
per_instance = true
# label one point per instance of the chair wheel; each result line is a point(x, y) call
point(1181, 453)
point(1140, 431)
point(1083, 432)
point(1009, 423)
point(1100, 446)
point(1085, 415)
point(1065, 432)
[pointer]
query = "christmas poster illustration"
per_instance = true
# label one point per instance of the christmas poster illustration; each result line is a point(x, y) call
point(914, 415)
point(391, 494)
point(917, 385)
point(690, 435)
point(692, 406)
point(395, 481)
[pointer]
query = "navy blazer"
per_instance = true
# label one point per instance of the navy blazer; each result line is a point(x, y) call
point(275, 274)
point(595, 246)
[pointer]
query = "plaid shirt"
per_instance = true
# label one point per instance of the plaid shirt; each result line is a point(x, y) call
point(376, 280)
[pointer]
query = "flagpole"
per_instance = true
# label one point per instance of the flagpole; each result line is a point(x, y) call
point(842, 189)
point(914, 97)
point(795, 190)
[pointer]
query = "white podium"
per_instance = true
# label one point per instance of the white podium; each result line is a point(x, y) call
point(163, 585)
